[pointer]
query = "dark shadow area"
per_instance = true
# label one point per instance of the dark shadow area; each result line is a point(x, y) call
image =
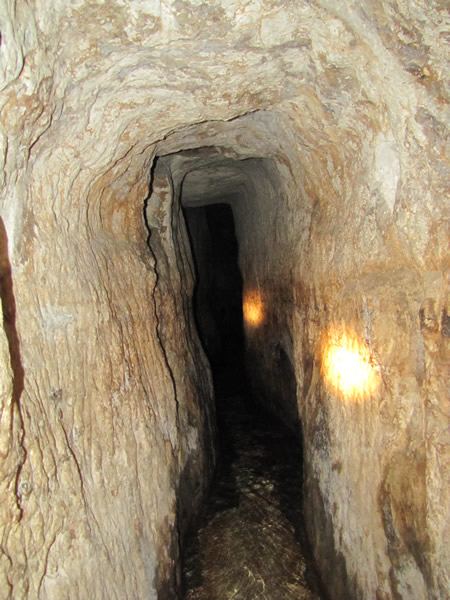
point(9, 315)
point(218, 293)
point(9, 324)
point(250, 540)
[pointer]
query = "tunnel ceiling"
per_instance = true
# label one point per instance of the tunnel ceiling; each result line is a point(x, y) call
point(215, 182)
point(223, 168)
point(120, 83)
point(220, 180)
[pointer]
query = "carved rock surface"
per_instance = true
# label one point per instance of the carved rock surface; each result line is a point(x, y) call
point(324, 126)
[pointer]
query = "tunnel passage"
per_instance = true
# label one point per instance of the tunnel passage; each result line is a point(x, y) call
point(244, 166)
point(210, 214)
point(298, 272)
point(250, 541)
point(255, 506)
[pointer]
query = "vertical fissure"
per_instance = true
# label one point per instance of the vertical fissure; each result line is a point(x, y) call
point(153, 254)
point(9, 324)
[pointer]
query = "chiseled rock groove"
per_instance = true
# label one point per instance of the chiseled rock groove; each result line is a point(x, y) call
point(324, 125)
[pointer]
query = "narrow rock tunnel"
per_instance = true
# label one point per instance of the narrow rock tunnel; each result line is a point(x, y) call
point(135, 137)
point(251, 540)
point(257, 485)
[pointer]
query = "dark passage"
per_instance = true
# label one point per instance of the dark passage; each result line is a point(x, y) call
point(250, 541)
point(218, 293)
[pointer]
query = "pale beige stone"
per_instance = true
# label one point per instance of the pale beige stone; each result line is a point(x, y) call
point(325, 126)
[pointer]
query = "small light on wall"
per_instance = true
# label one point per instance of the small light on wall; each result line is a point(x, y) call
point(348, 367)
point(253, 308)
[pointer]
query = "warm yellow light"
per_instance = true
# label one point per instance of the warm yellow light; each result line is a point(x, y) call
point(253, 308)
point(347, 366)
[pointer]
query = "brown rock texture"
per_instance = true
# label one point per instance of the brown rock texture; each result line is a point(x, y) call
point(324, 125)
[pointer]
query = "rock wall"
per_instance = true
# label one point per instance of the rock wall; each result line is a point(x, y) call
point(324, 125)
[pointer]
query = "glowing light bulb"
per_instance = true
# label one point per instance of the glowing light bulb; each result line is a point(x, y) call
point(347, 366)
point(253, 308)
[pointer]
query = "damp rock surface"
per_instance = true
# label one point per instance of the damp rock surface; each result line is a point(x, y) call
point(325, 124)
point(250, 543)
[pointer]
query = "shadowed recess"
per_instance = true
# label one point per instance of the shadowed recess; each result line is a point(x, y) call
point(9, 315)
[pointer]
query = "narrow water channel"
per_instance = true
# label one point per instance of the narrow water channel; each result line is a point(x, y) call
point(250, 543)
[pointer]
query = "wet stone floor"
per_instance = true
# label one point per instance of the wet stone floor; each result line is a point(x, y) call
point(250, 543)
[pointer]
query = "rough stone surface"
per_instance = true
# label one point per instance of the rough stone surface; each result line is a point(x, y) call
point(324, 125)
point(251, 541)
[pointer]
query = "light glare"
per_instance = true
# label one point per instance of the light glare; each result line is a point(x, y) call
point(348, 368)
point(253, 308)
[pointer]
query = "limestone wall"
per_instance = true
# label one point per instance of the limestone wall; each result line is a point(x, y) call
point(341, 224)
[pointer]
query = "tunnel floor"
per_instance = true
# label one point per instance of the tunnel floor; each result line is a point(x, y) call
point(250, 542)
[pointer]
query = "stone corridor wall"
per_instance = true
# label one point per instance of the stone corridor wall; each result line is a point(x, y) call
point(104, 420)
